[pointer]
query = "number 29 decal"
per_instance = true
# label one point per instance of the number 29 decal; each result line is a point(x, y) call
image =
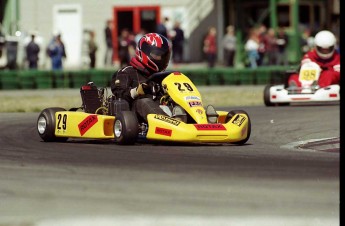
point(62, 121)
point(182, 88)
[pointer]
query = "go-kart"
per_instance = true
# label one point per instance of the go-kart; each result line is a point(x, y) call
point(309, 92)
point(186, 119)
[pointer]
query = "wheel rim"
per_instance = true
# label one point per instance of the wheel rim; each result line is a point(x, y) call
point(118, 128)
point(42, 125)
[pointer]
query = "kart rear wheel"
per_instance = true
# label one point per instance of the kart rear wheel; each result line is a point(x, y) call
point(46, 125)
point(267, 95)
point(232, 114)
point(126, 128)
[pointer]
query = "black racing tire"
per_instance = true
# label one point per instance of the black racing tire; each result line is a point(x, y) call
point(267, 95)
point(232, 114)
point(126, 128)
point(284, 104)
point(46, 125)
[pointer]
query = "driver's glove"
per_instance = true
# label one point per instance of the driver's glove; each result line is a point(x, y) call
point(142, 89)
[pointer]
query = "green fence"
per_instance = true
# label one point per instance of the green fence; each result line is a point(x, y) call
point(44, 79)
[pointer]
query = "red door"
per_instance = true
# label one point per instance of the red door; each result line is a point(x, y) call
point(134, 19)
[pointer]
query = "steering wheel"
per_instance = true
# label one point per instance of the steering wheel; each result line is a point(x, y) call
point(159, 76)
point(155, 81)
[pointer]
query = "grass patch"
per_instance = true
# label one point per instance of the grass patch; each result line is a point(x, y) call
point(37, 100)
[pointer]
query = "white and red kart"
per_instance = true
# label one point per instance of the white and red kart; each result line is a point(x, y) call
point(310, 92)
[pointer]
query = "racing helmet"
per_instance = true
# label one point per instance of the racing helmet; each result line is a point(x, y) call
point(153, 51)
point(325, 44)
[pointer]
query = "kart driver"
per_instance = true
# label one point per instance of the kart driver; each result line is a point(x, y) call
point(325, 55)
point(152, 55)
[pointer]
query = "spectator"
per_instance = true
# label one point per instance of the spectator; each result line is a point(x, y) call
point(2, 41)
point(56, 51)
point(282, 42)
point(271, 47)
point(32, 51)
point(131, 45)
point(210, 47)
point(162, 27)
point(139, 35)
point(307, 41)
point(92, 49)
point(124, 48)
point(262, 44)
point(252, 47)
point(177, 43)
point(229, 45)
point(108, 60)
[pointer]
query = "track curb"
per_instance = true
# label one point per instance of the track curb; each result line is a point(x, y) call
point(324, 145)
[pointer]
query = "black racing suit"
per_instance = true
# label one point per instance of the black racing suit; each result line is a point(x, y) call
point(128, 78)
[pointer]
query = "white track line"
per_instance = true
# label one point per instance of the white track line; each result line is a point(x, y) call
point(295, 146)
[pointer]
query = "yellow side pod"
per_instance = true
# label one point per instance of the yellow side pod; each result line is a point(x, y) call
point(83, 125)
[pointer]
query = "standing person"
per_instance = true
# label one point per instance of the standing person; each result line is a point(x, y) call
point(2, 41)
point(162, 27)
point(325, 55)
point(307, 41)
point(252, 48)
point(124, 43)
point(108, 59)
point(210, 47)
point(32, 51)
point(131, 45)
point(262, 30)
point(56, 51)
point(229, 45)
point(177, 42)
point(92, 49)
point(139, 35)
point(271, 47)
point(130, 83)
point(282, 42)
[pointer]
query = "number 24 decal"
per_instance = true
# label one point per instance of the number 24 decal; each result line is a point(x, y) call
point(62, 121)
point(185, 84)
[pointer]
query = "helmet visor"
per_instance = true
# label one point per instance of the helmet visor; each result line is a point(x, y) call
point(325, 50)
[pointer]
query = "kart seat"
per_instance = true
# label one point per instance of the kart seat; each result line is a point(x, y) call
point(90, 98)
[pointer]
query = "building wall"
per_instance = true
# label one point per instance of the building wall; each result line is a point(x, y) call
point(37, 15)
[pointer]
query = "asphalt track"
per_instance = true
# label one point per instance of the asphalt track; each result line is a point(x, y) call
point(266, 182)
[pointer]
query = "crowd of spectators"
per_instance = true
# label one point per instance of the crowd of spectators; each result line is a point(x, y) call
point(262, 46)
point(266, 47)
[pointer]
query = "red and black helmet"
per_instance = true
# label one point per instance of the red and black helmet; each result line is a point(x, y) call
point(153, 51)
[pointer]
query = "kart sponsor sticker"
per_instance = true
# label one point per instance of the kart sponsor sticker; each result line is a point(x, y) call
point(87, 123)
point(168, 119)
point(209, 127)
point(163, 131)
point(195, 103)
point(238, 120)
point(199, 111)
point(192, 98)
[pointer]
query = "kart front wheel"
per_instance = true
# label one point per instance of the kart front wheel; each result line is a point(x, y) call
point(126, 128)
point(46, 125)
point(249, 130)
point(267, 95)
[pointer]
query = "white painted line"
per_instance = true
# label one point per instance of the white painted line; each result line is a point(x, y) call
point(191, 221)
point(295, 146)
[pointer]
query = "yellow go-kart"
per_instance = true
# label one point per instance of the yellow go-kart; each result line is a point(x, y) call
point(186, 119)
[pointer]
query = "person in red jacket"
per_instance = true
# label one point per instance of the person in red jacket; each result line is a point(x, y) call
point(325, 55)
